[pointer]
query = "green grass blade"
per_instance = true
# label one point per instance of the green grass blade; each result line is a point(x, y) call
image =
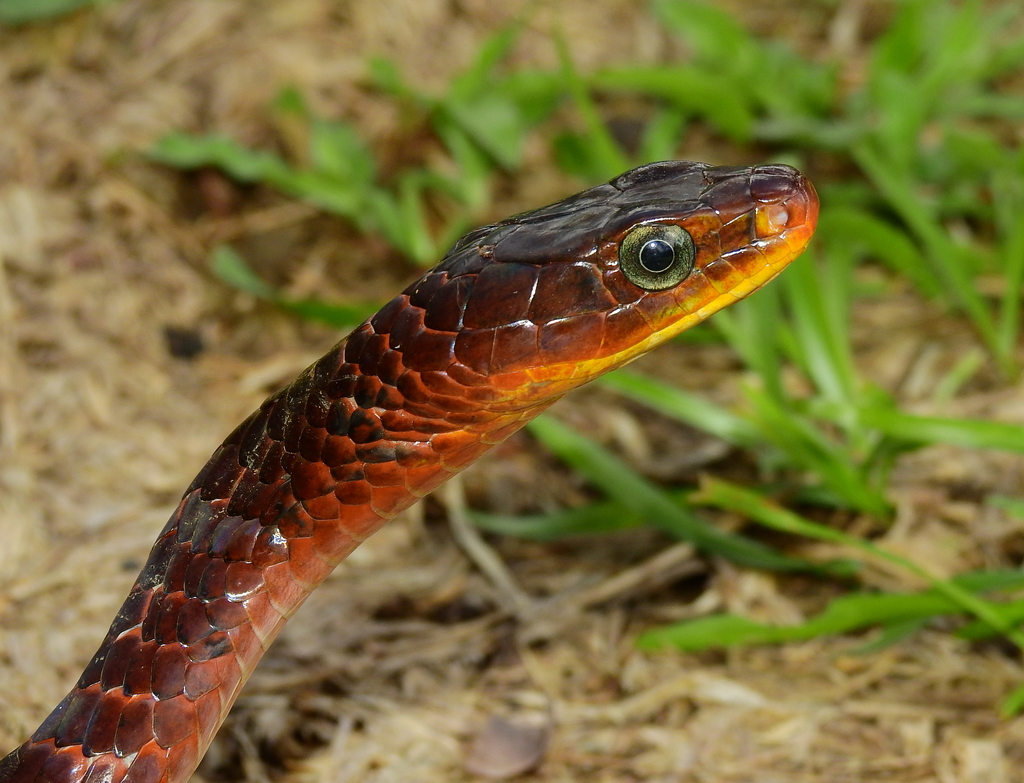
point(16, 12)
point(946, 257)
point(697, 91)
point(478, 78)
point(722, 494)
point(688, 408)
point(624, 485)
point(819, 327)
point(974, 434)
point(1008, 192)
point(594, 518)
point(805, 445)
point(752, 328)
point(231, 268)
point(846, 614)
point(856, 228)
point(1012, 613)
point(661, 136)
point(842, 615)
point(607, 159)
point(191, 152)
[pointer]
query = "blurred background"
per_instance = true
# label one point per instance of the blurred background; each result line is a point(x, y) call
point(785, 547)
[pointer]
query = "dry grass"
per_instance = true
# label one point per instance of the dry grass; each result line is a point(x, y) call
point(408, 651)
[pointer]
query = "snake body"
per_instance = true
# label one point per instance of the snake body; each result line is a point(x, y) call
point(517, 314)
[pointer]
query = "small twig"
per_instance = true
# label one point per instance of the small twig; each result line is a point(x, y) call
point(479, 551)
point(673, 563)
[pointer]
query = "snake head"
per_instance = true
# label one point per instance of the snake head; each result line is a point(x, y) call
point(526, 309)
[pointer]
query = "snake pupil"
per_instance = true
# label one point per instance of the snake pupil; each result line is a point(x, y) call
point(657, 255)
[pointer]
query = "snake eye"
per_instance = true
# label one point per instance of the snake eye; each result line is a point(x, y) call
point(656, 257)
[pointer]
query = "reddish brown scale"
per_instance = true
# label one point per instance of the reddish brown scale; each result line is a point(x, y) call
point(514, 316)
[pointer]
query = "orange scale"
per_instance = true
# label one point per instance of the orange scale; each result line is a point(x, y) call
point(337, 450)
point(424, 480)
point(310, 479)
point(739, 231)
point(458, 460)
point(264, 619)
point(333, 544)
point(181, 759)
point(305, 565)
point(496, 421)
point(148, 764)
point(400, 422)
point(348, 471)
point(704, 228)
point(459, 404)
point(325, 507)
point(653, 307)
point(467, 377)
point(747, 259)
point(209, 710)
point(449, 442)
point(723, 275)
point(512, 382)
point(389, 501)
point(622, 327)
point(501, 433)
point(333, 538)
point(355, 492)
point(694, 292)
point(201, 677)
point(173, 721)
point(415, 454)
point(412, 387)
point(480, 394)
point(441, 383)
point(772, 248)
point(285, 591)
point(357, 523)
point(235, 669)
point(384, 474)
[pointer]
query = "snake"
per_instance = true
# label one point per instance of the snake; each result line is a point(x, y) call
point(515, 315)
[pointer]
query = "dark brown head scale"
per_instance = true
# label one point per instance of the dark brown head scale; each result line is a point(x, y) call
point(539, 286)
point(557, 286)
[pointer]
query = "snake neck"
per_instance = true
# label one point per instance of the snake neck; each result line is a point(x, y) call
point(356, 439)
